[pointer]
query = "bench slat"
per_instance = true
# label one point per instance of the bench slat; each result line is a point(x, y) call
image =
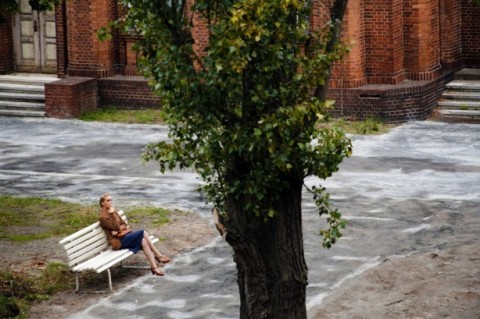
point(115, 261)
point(84, 241)
point(95, 262)
point(80, 233)
point(103, 259)
point(87, 253)
point(153, 239)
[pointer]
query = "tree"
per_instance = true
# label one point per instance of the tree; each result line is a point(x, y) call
point(248, 115)
point(8, 7)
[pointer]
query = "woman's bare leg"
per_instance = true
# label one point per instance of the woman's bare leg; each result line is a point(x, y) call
point(149, 254)
point(151, 258)
point(152, 247)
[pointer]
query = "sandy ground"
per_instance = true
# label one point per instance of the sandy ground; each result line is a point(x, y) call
point(442, 284)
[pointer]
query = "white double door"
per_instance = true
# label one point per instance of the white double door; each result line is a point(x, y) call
point(34, 39)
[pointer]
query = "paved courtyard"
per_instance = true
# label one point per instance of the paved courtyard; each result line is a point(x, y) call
point(414, 189)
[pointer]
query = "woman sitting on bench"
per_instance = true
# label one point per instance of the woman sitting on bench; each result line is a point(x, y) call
point(120, 236)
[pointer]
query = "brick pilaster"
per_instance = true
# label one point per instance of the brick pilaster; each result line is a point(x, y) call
point(351, 71)
point(470, 34)
point(87, 55)
point(450, 34)
point(384, 41)
point(6, 46)
point(422, 39)
point(61, 40)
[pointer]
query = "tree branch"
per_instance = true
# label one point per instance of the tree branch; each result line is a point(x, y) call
point(336, 17)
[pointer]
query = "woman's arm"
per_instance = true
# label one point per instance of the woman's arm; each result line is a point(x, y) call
point(109, 222)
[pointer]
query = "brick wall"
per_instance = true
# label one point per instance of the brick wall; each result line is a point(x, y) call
point(450, 34)
point(126, 91)
point(61, 40)
point(409, 100)
point(199, 32)
point(422, 39)
point(384, 41)
point(351, 71)
point(6, 46)
point(470, 34)
point(87, 55)
point(127, 56)
point(320, 14)
point(70, 97)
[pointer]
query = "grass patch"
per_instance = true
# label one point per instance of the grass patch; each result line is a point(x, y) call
point(32, 218)
point(116, 115)
point(20, 289)
point(156, 216)
point(24, 237)
point(369, 126)
point(155, 116)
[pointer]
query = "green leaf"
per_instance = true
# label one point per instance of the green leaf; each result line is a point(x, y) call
point(271, 213)
point(242, 111)
point(238, 110)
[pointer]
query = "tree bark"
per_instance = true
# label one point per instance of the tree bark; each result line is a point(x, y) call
point(272, 273)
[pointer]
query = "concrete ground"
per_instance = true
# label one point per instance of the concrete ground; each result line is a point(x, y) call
point(415, 189)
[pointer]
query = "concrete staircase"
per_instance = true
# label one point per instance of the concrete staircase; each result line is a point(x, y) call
point(460, 101)
point(23, 94)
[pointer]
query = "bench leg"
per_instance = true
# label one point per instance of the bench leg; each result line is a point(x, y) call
point(77, 285)
point(109, 280)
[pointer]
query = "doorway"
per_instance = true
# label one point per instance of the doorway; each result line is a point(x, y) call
point(34, 40)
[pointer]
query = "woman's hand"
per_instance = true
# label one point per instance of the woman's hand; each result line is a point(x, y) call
point(114, 232)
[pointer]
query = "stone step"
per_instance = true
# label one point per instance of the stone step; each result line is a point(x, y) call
point(461, 95)
point(28, 78)
point(21, 113)
point(460, 104)
point(27, 106)
point(22, 88)
point(463, 85)
point(468, 74)
point(22, 96)
point(460, 101)
point(460, 115)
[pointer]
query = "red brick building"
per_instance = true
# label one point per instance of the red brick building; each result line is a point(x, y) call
point(403, 53)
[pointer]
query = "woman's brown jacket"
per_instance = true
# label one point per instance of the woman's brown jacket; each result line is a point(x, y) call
point(111, 222)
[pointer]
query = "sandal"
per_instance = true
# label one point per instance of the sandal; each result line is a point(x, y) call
point(157, 272)
point(163, 259)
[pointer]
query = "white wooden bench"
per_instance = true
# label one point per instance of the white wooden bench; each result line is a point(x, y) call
point(88, 249)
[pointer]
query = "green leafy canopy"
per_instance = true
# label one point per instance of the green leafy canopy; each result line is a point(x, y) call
point(9, 7)
point(243, 114)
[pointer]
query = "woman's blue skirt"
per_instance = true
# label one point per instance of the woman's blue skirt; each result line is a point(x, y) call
point(132, 241)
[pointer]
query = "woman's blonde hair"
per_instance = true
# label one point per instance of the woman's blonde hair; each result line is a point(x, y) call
point(102, 198)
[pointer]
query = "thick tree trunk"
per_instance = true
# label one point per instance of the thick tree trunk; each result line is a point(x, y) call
point(272, 273)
